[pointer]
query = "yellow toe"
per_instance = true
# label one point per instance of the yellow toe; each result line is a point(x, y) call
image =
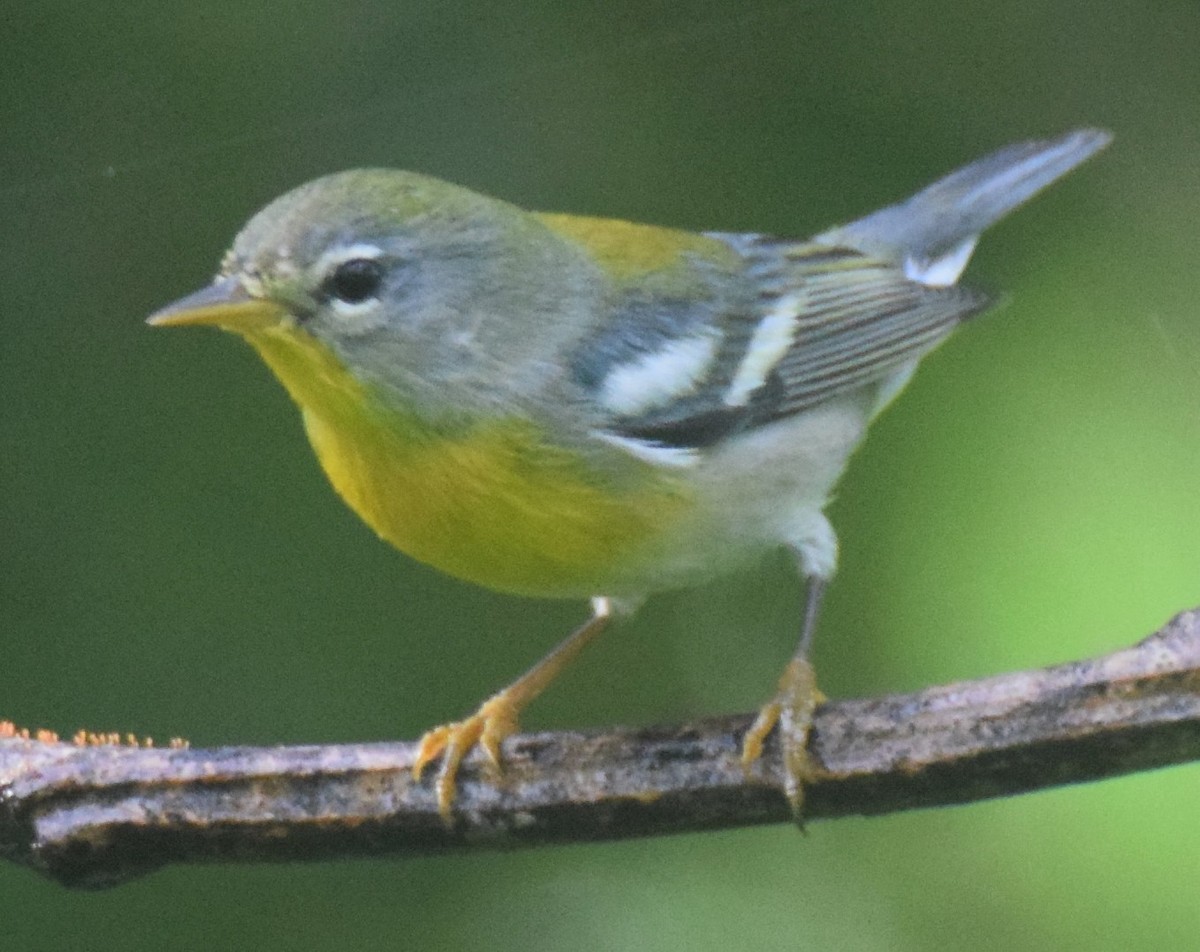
point(756, 736)
point(495, 720)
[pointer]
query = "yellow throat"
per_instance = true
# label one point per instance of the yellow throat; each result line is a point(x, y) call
point(492, 504)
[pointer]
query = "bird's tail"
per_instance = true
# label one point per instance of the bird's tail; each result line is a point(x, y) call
point(934, 232)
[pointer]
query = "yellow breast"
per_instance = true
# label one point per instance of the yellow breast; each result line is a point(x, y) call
point(491, 503)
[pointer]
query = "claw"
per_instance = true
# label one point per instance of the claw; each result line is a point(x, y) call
point(792, 710)
point(495, 720)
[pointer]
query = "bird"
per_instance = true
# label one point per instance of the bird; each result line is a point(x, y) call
point(566, 406)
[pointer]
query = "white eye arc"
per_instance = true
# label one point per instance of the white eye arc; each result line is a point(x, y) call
point(341, 253)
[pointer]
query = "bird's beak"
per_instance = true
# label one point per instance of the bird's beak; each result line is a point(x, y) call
point(224, 303)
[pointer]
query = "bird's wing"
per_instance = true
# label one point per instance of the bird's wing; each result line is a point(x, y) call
point(808, 322)
point(852, 319)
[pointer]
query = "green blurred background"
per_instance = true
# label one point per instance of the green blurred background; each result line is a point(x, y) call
point(174, 563)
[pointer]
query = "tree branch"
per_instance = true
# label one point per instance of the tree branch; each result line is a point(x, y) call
point(99, 815)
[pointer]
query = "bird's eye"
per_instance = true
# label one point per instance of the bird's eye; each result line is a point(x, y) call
point(356, 280)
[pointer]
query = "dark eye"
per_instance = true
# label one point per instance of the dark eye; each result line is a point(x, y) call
point(356, 280)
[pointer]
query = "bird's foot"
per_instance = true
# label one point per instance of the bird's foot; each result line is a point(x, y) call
point(791, 709)
point(495, 720)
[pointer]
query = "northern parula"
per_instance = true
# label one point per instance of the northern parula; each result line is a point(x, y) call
point(568, 407)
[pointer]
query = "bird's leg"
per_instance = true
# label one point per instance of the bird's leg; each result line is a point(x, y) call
point(496, 717)
point(792, 708)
